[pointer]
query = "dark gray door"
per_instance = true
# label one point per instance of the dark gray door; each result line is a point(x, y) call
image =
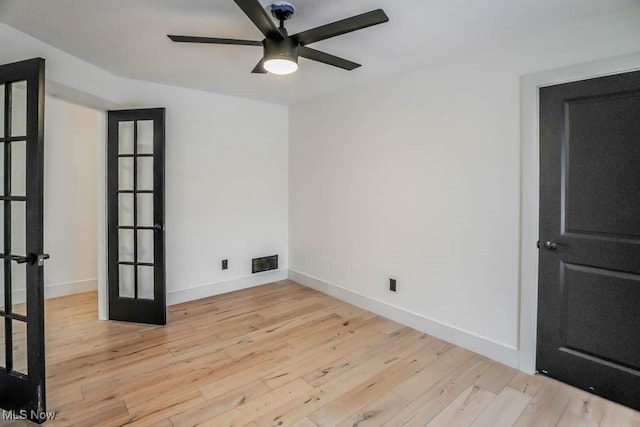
point(22, 358)
point(135, 174)
point(589, 275)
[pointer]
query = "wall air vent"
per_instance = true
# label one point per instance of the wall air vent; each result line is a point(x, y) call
point(264, 264)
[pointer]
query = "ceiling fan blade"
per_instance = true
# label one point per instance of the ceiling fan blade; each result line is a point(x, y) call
point(259, 69)
point(260, 18)
point(344, 26)
point(213, 40)
point(316, 55)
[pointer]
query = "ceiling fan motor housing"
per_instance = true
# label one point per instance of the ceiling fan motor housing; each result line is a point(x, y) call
point(281, 49)
point(282, 10)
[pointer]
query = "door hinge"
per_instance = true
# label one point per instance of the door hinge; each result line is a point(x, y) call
point(538, 244)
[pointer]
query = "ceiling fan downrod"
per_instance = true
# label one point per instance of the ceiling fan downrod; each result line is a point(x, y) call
point(282, 11)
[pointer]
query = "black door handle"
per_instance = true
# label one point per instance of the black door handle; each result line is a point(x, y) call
point(33, 259)
point(17, 258)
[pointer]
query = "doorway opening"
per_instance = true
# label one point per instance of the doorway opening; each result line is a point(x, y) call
point(74, 136)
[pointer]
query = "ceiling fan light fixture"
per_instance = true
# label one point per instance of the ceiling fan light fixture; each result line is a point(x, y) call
point(281, 66)
point(280, 56)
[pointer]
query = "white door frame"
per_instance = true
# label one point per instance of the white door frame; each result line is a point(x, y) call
point(530, 184)
point(103, 285)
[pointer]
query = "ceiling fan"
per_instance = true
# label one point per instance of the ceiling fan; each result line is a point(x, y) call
point(281, 51)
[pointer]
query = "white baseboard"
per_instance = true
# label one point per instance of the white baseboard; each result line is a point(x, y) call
point(209, 290)
point(63, 289)
point(491, 349)
point(56, 290)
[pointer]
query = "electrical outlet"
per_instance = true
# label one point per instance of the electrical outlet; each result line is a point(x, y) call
point(225, 264)
point(392, 285)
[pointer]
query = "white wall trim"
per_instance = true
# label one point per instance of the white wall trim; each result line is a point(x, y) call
point(76, 96)
point(56, 290)
point(486, 347)
point(212, 289)
point(529, 85)
point(63, 289)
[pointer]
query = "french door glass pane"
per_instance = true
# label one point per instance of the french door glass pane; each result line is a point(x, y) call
point(2, 164)
point(18, 168)
point(145, 173)
point(125, 173)
point(2, 290)
point(3, 359)
point(126, 281)
point(145, 210)
point(2, 226)
point(125, 241)
point(19, 346)
point(19, 109)
point(19, 288)
point(18, 228)
point(125, 138)
point(1, 111)
point(145, 245)
point(125, 209)
point(145, 137)
point(145, 282)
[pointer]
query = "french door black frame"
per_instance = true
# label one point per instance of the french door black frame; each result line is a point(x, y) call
point(135, 308)
point(24, 391)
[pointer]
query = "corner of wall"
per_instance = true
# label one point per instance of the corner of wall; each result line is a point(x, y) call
point(213, 289)
point(483, 346)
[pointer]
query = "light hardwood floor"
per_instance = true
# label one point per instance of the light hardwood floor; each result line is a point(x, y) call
point(285, 355)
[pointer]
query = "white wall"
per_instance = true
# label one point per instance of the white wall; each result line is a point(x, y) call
point(417, 177)
point(70, 198)
point(226, 171)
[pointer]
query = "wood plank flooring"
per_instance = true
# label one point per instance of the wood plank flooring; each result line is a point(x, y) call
point(285, 355)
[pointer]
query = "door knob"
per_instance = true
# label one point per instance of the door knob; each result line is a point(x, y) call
point(157, 227)
point(552, 246)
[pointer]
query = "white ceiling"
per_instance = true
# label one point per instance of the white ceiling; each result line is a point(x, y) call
point(127, 37)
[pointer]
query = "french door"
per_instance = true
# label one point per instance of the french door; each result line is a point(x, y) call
point(136, 252)
point(22, 356)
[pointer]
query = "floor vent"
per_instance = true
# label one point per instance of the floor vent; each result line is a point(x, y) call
point(264, 264)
